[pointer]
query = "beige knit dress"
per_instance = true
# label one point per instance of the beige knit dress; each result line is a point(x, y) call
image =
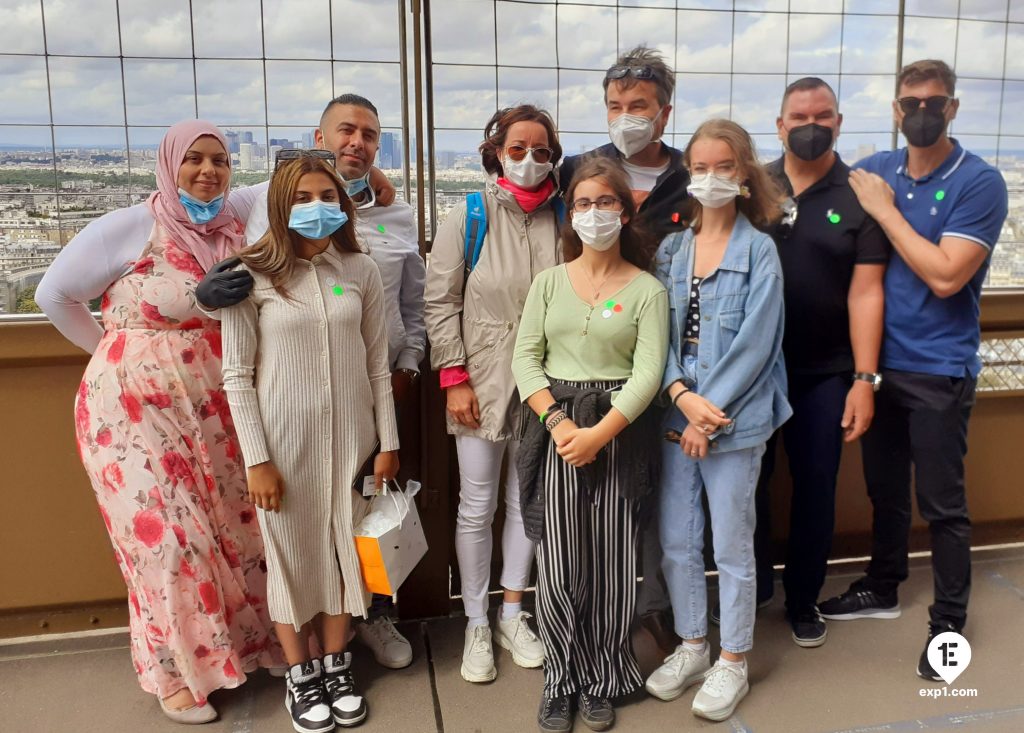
point(310, 390)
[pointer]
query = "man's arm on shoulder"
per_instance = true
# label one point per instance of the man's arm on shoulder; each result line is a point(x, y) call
point(970, 234)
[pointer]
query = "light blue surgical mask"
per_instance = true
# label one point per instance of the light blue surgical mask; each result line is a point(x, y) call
point(358, 186)
point(200, 212)
point(317, 219)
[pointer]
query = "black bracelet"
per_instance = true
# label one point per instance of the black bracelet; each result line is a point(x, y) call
point(675, 399)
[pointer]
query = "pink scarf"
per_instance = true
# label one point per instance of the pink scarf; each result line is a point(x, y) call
point(213, 241)
point(529, 200)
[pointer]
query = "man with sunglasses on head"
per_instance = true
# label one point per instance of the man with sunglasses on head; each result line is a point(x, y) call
point(943, 209)
point(833, 258)
point(348, 135)
point(638, 91)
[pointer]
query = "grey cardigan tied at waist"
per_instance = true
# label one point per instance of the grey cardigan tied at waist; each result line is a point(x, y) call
point(638, 464)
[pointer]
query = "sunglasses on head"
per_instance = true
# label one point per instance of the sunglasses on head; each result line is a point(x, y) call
point(637, 72)
point(286, 154)
point(541, 154)
point(789, 213)
point(932, 104)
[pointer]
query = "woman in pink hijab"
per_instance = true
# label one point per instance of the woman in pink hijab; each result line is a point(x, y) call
point(156, 438)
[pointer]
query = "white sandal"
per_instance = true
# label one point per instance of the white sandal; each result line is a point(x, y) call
point(195, 715)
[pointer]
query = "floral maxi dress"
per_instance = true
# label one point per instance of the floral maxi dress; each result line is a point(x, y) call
point(156, 438)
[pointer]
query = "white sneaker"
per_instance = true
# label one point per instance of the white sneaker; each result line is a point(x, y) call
point(724, 686)
point(517, 636)
point(390, 649)
point(477, 655)
point(682, 668)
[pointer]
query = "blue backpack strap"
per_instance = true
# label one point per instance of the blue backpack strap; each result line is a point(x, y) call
point(476, 228)
point(559, 207)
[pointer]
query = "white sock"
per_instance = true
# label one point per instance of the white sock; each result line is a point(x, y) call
point(699, 647)
point(509, 610)
point(742, 666)
point(475, 621)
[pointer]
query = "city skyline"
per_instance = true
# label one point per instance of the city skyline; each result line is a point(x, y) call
point(90, 86)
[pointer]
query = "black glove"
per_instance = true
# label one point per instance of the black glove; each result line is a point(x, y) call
point(223, 287)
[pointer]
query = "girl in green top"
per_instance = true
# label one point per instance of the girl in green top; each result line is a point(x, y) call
point(588, 361)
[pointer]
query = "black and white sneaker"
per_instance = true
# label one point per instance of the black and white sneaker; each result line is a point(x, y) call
point(555, 714)
point(597, 713)
point(809, 629)
point(304, 699)
point(347, 706)
point(860, 602)
point(924, 668)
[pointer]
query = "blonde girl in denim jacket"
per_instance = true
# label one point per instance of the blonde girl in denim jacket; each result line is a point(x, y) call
point(726, 381)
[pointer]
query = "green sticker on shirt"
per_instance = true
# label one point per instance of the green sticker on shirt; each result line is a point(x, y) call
point(939, 195)
point(833, 217)
point(611, 308)
point(338, 290)
point(380, 228)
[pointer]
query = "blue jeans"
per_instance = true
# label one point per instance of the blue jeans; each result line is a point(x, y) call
point(729, 480)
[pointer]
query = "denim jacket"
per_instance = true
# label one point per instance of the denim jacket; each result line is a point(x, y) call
point(740, 366)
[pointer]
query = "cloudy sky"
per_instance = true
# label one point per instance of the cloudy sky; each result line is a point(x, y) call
point(732, 57)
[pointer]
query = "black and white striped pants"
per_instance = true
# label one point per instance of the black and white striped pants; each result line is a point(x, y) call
point(586, 580)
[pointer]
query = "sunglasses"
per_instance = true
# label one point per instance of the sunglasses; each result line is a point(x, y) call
point(789, 213)
point(541, 154)
point(287, 154)
point(937, 103)
point(637, 72)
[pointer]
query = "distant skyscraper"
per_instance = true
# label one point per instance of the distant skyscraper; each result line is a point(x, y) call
point(246, 137)
point(386, 151)
point(280, 142)
point(245, 156)
point(308, 141)
point(274, 150)
point(232, 138)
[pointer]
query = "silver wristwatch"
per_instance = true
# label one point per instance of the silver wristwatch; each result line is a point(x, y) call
point(873, 377)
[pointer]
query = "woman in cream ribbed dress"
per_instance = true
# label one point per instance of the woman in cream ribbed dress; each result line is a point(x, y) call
point(307, 377)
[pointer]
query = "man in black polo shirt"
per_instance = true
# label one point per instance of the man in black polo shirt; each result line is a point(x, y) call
point(833, 261)
point(638, 91)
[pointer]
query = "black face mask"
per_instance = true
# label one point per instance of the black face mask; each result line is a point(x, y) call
point(922, 127)
point(810, 142)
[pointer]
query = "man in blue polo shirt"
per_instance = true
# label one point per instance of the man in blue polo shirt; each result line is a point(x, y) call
point(943, 209)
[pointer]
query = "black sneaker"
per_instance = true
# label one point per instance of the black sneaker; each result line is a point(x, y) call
point(597, 713)
point(808, 626)
point(924, 667)
point(716, 613)
point(555, 714)
point(347, 706)
point(304, 699)
point(860, 602)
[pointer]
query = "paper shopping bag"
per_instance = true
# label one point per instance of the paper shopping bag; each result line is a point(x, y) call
point(390, 540)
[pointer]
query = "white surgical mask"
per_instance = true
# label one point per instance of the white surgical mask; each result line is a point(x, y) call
point(526, 173)
point(631, 133)
point(598, 229)
point(713, 191)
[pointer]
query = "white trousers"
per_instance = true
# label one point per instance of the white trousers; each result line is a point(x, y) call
point(480, 463)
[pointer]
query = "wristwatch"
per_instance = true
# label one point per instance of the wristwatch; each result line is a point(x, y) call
point(873, 377)
point(411, 373)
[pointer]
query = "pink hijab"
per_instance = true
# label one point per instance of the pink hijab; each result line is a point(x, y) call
point(211, 242)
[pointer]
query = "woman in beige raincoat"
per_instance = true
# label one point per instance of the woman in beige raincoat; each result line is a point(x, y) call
point(473, 307)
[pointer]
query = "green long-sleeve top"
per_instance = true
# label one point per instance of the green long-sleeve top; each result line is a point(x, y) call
point(625, 336)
